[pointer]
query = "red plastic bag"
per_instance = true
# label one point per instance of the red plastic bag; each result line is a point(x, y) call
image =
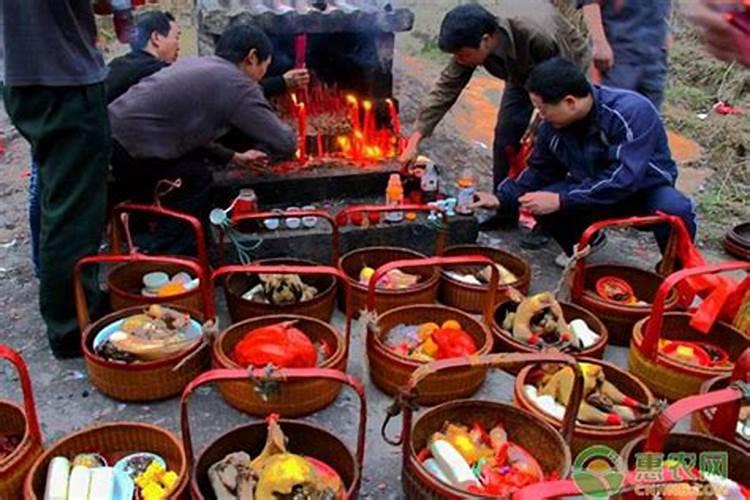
point(453, 343)
point(281, 345)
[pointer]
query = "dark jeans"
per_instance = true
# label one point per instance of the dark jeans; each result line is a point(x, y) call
point(647, 77)
point(567, 226)
point(136, 180)
point(512, 121)
point(68, 129)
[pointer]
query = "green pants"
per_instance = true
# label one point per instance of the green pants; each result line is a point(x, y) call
point(68, 129)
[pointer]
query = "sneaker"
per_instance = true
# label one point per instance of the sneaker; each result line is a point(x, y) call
point(599, 240)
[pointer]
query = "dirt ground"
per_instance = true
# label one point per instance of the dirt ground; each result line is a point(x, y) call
point(67, 401)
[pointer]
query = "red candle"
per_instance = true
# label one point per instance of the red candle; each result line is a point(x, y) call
point(367, 131)
point(300, 50)
point(354, 103)
point(320, 143)
point(302, 120)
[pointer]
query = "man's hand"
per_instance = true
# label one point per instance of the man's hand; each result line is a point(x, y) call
point(411, 151)
point(604, 57)
point(485, 200)
point(251, 159)
point(540, 202)
point(296, 78)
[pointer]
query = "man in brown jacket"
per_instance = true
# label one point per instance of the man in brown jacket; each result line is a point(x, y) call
point(508, 48)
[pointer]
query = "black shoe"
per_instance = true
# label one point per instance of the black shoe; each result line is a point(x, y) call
point(497, 221)
point(536, 239)
point(70, 350)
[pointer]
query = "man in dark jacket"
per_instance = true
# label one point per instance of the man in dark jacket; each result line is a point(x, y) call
point(508, 48)
point(600, 153)
point(55, 97)
point(162, 126)
point(155, 45)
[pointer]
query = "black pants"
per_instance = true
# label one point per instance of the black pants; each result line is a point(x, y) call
point(136, 180)
point(512, 121)
point(68, 129)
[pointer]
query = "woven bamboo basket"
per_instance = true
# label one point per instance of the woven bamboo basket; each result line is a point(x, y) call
point(620, 318)
point(424, 292)
point(703, 421)
point(737, 241)
point(142, 381)
point(548, 446)
point(113, 441)
point(304, 438)
point(585, 435)
point(660, 440)
point(505, 342)
point(390, 371)
point(297, 398)
point(19, 421)
point(320, 307)
point(470, 298)
point(670, 378)
point(124, 281)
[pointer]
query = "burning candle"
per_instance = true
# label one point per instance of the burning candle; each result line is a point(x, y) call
point(395, 122)
point(367, 130)
point(302, 120)
point(354, 103)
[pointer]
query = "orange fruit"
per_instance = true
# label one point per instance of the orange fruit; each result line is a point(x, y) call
point(451, 324)
point(426, 329)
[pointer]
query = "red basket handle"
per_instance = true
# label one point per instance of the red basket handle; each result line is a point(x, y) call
point(29, 407)
point(80, 295)
point(565, 488)
point(281, 375)
point(732, 396)
point(668, 262)
point(288, 215)
point(303, 270)
point(440, 237)
point(440, 262)
point(650, 345)
point(124, 209)
point(723, 423)
point(505, 360)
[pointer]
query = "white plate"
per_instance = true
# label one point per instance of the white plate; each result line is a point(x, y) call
point(194, 331)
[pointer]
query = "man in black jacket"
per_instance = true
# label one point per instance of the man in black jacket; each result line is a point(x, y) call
point(155, 45)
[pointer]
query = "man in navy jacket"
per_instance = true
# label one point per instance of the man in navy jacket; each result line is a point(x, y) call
point(600, 153)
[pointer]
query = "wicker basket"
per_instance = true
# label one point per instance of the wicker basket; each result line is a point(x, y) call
point(549, 447)
point(619, 318)
point(470, 298)
point(125, 282)
point(19, 421)
point(659, 439)
point(667, 377)
point(424, 292)
point(737, 241)
point(703, 421)
point(304, 438)
point(585, 435)
point(505, 342)
point(113, 441)
point(320, 307)
point(298, 398)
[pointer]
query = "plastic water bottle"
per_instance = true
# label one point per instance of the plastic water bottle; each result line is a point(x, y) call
point(466, 190)
point(430, 183)
point(394, 195)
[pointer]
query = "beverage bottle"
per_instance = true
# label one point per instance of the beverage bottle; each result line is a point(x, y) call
point(246, 203)
point(122, 16)
point(466, 190)
point(430, 183)
point(394, 195)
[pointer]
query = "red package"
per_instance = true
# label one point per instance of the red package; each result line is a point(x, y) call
point(281, 345)
point(453, 343)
